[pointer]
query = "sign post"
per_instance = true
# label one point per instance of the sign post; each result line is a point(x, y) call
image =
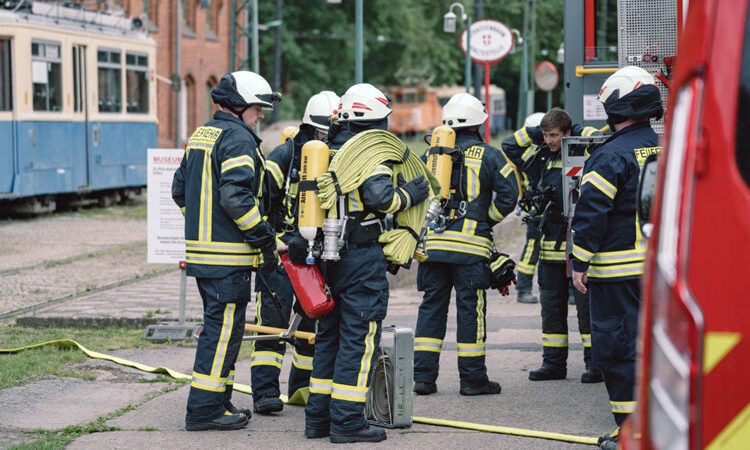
point(490, 42)
point(546, 78)
point(166, 236)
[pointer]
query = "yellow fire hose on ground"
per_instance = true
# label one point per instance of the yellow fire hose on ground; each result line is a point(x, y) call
point(68, 343)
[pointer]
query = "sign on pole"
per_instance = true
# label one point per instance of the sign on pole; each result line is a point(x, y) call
point(491, 41)
point(166, 226)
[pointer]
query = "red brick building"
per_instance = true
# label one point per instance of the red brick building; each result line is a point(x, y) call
point(205, 45)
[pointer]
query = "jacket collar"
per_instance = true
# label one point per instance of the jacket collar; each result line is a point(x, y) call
point(221, 115)
point(628, 129)
point(466, 138)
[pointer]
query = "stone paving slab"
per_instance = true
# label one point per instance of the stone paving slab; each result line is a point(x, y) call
point(59, 402)
point(566, 405)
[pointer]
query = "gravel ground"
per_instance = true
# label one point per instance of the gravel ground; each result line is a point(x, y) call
point(70, 253)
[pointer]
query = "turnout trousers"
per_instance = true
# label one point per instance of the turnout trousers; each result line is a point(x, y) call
point(530, 253)
point(553, 295)
point(266, 357)
point(347, 341)
point(224, 304)
point(437, 280)
point(614, 327)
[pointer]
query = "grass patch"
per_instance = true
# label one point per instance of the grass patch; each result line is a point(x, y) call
point(59, 439)
point(32, 365)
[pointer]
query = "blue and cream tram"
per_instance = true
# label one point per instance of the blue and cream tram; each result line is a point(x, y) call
point(77, 106)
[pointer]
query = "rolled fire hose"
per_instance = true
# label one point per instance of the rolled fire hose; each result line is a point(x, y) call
point(379, 403)
point(68, 343)
point(354, 163)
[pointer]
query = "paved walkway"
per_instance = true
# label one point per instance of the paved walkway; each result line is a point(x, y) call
point(513, 336)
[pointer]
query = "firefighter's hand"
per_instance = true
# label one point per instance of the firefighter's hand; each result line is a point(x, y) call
point(297, 250)
point(270, 257)
point(580, 279)
point(417, 189)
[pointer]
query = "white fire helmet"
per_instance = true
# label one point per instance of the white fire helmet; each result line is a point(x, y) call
point(363, 102)
point(533, 120)
point(464, 110)
point(320, 108)
point(254, 89)
point(623, 82)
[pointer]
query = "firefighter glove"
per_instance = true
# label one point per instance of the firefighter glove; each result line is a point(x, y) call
point(270, 257)
point(416, 190)
point(297, 250)
point(502, 271)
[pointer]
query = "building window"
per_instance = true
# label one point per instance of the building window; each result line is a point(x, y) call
point(110, 80)
point(6, 90)
point(211, 107)
point(214, 14)
point(136, 82)
point(46, 76)
point(152, 6)
point(191, 104)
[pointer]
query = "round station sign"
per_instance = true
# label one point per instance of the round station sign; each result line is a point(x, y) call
point(491, 41)
point(546, 76)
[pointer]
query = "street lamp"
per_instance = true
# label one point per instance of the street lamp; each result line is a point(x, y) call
point(449, 26)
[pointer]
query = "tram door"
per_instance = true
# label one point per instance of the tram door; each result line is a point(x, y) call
point(82, 154)
point(7, 117)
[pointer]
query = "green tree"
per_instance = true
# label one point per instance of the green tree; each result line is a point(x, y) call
point(400, 38)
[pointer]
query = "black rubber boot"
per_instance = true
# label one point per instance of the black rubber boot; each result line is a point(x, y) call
point(366, 434)
point(228, 421)
point(238, 410)
point(523, 289)
point(592, 375)
point(480, 388)
point(312, 433)
point(268, 405)
point(548, 372)
point(424, 388)
point(609, 441)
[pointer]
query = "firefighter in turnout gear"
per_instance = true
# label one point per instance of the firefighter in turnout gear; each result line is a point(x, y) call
point(484, 189)
point(218, 187)
point(608, 247)
point(283, 176)
point(530, 253)
point(348, 338)
point(544, 168)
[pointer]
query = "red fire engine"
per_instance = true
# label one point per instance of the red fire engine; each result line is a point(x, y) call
point(693, 385)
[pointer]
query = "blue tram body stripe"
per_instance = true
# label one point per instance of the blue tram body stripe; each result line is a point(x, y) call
point(51, 156)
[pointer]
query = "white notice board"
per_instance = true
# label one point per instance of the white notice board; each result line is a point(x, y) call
point(593, 109)
point(166, 226)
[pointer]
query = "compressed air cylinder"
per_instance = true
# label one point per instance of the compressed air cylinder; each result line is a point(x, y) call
point(289, 133)
point(313, 163)
point(439, 162)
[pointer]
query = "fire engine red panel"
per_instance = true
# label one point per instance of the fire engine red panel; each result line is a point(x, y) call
point(310, 288)
point(590, 29)
point(719, 239)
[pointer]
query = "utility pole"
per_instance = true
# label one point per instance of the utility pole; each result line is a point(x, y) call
point(523, 80)
point(176, 78)
point(358, 41)
point(478, 68)
point(532, 59)
point(277, 58)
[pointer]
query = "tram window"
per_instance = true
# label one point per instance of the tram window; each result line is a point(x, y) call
point(420, 97)
point(6, 93)
point(136, 80)
point(110, 80)
point(409, 98)
point(46, 76)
